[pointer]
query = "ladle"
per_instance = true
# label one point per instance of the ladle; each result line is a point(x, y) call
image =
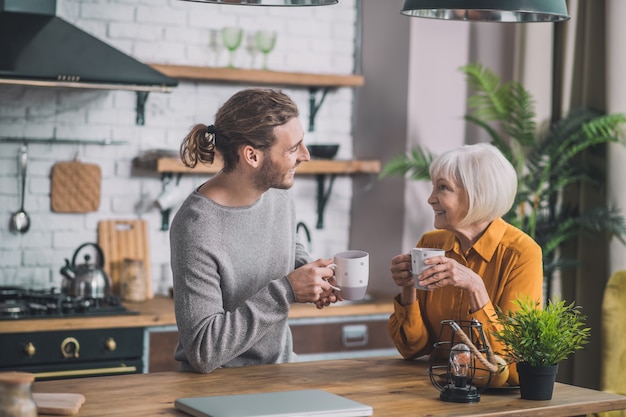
point(20, 222)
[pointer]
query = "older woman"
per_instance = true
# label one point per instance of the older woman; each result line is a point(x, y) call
point(488, 262)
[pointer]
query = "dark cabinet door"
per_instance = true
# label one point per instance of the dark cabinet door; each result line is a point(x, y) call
point(349, 336)
point(162, 346)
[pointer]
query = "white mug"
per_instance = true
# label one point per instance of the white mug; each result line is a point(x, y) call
point(418, 255)
point(352, 269)
point(171, 196)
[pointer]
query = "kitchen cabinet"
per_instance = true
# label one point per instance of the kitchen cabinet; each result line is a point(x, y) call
point(313, 339)
point(337, 332)
point(342, 337)
point(161, 343)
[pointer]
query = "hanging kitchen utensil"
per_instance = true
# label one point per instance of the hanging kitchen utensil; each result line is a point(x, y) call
point(20, 222)
point(75, 187)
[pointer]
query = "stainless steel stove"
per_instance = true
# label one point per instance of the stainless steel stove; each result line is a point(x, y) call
point(22, 303)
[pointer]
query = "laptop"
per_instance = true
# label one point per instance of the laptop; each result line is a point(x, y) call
point(298, 403)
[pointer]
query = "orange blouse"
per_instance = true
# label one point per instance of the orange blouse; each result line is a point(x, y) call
point(510, 264)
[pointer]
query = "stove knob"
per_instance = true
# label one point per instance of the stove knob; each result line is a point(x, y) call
point(29, 349)
point(110, 344)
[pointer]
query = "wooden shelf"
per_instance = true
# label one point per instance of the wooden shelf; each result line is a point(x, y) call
point(314, 166)
point(237, 75)
point(321, 168)
point(316, 83)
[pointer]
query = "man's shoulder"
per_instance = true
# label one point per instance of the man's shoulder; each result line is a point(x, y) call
point(278, 197)
point(195, 210)
point(278, 193)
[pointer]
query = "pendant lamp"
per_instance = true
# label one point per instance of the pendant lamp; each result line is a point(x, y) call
point(515, 11)
point(271, 2)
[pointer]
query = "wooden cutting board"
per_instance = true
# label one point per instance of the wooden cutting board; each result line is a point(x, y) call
point(58, 404)
point(122, 239)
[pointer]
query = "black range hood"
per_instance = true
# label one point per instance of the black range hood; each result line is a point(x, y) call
point(38, 48)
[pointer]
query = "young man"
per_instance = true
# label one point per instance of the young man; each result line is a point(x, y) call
point(236, 261)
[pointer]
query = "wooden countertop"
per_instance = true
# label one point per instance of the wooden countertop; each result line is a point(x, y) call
point(392, 386)
point(160, 312)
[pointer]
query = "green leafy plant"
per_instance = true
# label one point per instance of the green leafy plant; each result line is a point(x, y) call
point(541, 337)
point(546, 163)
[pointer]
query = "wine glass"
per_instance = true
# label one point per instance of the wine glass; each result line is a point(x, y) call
point(231, 37)
point(215, 45)
point(251, 47)
point(265, 41)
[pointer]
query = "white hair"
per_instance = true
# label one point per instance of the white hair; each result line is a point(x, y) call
point(487, 177)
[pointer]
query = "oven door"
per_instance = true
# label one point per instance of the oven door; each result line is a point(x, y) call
point(74, 353)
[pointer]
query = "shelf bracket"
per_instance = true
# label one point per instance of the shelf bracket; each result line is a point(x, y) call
point(165, 219)
point(314, 105)
point(142, 97)
point(322, 196)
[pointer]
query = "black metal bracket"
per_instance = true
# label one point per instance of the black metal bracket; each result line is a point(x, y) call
point(314, 105)
point(142, 97)
point(165, 219)
point(322, 196)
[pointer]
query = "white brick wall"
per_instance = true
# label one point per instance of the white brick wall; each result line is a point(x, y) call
point(310, 39)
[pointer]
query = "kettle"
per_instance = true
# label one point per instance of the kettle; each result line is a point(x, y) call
point(87, 280)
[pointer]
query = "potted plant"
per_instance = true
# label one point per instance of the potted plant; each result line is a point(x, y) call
point(546, 163)
point(538, 339)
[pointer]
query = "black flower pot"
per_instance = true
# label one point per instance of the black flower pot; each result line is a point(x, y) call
point(536, 382)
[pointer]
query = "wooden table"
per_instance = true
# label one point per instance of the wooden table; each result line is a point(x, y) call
point(392, 386)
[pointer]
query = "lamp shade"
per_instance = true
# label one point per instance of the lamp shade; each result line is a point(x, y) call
point(520, 11)
point(271, 2)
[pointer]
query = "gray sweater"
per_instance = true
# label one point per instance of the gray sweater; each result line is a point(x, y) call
point(231, 292)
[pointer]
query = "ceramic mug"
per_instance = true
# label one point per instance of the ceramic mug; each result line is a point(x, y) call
point(171, 196)
point(418, 255)
point(352, 270)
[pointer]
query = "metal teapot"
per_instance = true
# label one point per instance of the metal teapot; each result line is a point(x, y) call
point(86, 280)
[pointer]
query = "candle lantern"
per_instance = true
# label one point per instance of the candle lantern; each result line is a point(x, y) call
point(459, 366)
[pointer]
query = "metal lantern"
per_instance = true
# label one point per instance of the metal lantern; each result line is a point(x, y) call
point(459, 366)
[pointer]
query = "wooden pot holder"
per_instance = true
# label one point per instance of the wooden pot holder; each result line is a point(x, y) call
point(75, 187)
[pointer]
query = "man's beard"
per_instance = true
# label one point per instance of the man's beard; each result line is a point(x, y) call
point(270, 176)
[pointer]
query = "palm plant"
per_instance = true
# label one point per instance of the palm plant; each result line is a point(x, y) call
point(546, 163)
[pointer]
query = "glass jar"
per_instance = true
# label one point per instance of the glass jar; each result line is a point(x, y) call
point(133, 280)
point(16, 398)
